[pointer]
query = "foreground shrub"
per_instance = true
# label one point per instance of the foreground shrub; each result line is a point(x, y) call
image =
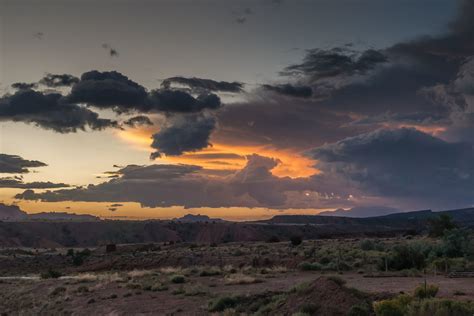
point(405, 305)
point(360, 310)
point(426, 291)
point(307, 266)
point(273, 239)
point(296, 240)
point(222, 304)
point(239, 278)
point(440, 307)
point(51, 274)
point(394, 307)
point(209, 272)
point(178, 279)
point(407, 256)
point(309, 308)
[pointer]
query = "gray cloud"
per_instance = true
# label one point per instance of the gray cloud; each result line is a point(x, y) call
point(139, 120)
point(185, 185)
point(16, 164)
point(111, 51)
point(290, 90)
point(108, 89)
point(18, 183)
point(183, 133)
point(23, 85)
point(166, 100)
point(274, 121)
point(50, 111)
point(405, 164)
point(241, 15)
point(200, 84)
point(340, 61)
point(115, 91)
point(57, 80)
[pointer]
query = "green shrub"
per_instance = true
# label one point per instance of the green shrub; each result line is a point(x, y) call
point(359, 310)
point(426, 291)
point(455, 243)
point(440, 307)
point(309, 308)
point(273, 239)
point(296, 240)
point(367, 245)
point(51, 274)
point(407, 256)
point(394, 307)
point(307, 266)
point(178, 279)
point(439, 225)
point(222, 304)
point(209, 272)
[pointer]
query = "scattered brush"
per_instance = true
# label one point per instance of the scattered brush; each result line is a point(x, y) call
point(239, 278)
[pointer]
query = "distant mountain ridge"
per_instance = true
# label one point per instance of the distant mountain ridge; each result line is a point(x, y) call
point(191, 218)
point(367, 211)
point(12, 213)
point(80, 233)
point(462, 216)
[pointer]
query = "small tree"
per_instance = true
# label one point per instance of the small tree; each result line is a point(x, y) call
point(440, 224)
point(296, 240)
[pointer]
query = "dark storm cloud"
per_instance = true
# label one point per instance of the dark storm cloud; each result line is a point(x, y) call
point(395, 79)
point(165, 100)
point(185, 185)
point(24, 85)
point(183, 133)
point(50, 111)
point(139, 120)
point(275, 121)
point(215, 156)
point(403, 163)
point(200, 84)
point(290, 90)
point(18, 183)
point(57, 80)
point(320, 63)
point(108, 89)
point(16, 164)
point(418, 82)
point(113, 90)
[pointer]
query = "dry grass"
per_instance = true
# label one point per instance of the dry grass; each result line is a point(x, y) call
point(240, 278)
point(172, 270)
point(140, 273)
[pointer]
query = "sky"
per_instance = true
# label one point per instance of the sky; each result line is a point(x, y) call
point(236, 109)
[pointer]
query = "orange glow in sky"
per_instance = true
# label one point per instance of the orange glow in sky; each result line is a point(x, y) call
point(293, 164)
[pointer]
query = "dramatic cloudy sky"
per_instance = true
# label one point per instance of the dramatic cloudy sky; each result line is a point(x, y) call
point(237, 109)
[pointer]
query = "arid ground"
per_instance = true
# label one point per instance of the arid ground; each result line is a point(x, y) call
point(316, 277)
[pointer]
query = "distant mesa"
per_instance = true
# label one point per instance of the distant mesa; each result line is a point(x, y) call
point(190, 218)
point(12, 213)
point(367, 211)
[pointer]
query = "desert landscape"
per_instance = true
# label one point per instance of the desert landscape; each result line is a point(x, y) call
point(283, 266)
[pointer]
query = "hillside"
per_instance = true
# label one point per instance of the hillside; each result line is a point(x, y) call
point(91, 232)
